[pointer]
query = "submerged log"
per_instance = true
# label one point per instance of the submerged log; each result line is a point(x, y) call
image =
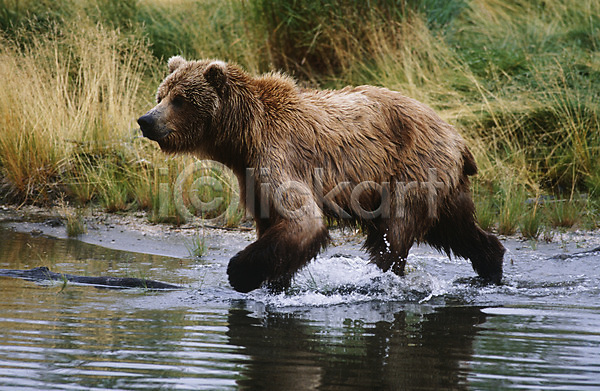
point(44, 274)
point(576, 255)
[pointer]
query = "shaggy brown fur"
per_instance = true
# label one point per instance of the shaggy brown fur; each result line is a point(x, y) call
point(363, 155)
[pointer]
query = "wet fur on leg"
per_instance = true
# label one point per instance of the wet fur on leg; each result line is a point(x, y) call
point(388, 248)
point(458, 233)
point(275, 257)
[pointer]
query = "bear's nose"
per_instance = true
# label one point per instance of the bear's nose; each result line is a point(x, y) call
point(151, 127)
point(145, 122)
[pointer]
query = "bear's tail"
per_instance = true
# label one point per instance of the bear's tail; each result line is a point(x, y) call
point(469, 165)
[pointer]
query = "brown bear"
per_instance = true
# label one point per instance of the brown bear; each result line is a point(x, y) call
point(362, 156)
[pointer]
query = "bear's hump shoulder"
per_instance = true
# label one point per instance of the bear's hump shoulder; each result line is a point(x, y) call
point(277, 80)
point(276, 85)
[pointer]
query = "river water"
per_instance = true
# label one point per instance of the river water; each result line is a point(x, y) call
point(344, 325)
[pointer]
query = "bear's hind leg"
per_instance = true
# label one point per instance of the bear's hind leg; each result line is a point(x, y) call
point(280, 251)
point(457, 232)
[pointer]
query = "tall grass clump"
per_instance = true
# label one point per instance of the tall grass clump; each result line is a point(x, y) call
point(538, 73)
point(72, 91)
point(202, 29)
point(327, 38)
point(30, 155)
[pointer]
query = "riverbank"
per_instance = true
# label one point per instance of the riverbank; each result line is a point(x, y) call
point(124, 231)
point(134, 232)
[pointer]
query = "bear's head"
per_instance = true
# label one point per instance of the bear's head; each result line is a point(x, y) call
point(188, 101)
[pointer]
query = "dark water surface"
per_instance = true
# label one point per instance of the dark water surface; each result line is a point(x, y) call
point(344, 326)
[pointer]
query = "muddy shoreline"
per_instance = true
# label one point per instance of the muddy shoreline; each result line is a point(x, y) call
point(128, 232)
point(135, 233)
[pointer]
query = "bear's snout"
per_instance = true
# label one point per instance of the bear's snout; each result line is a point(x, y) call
point(150, 127)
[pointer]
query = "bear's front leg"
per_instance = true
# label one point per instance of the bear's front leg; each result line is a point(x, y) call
point(281, 250)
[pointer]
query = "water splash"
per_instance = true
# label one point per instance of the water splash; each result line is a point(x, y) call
point(341, 279)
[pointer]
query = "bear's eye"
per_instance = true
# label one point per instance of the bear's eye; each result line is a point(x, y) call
point(177, 101)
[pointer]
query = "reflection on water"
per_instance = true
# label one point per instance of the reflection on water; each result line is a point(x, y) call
point(425, 351)
point(346, 326)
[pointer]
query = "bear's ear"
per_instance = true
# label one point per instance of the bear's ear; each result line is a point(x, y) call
point(216, 75)
point(175, 62)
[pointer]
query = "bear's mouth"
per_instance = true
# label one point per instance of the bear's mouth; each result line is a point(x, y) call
point(156, 134)
point(151, 128)
point(166, 143)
